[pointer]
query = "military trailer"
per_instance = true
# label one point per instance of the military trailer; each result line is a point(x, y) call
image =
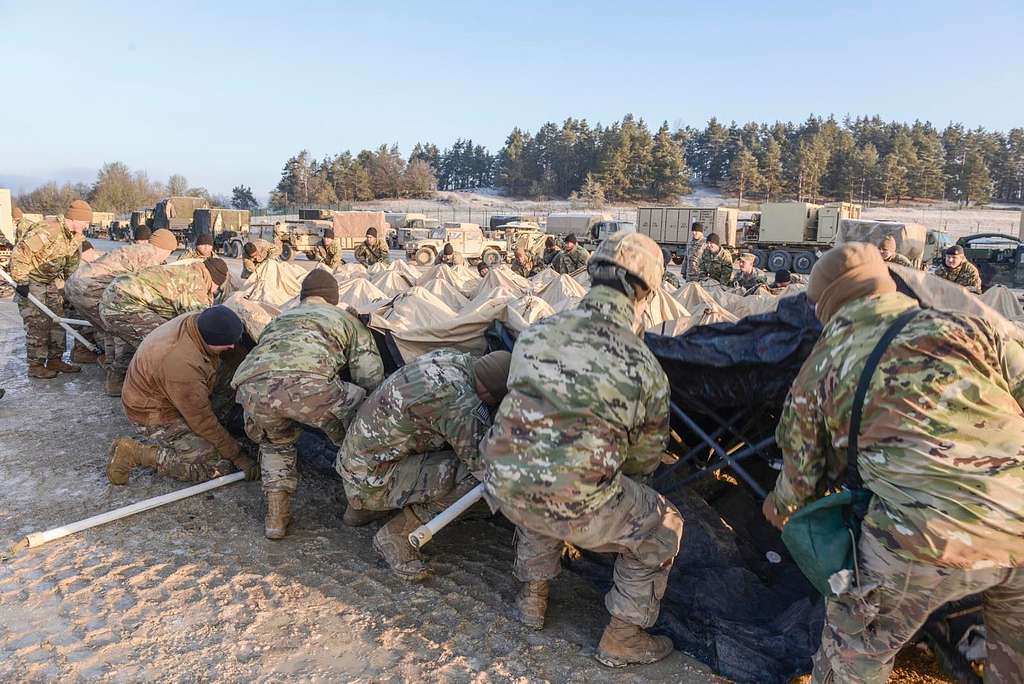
point(175, 214)
point(791, 235)
point(225, 225)
point(670, 226)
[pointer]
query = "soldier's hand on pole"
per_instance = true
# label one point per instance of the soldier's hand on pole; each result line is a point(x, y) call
point(22, 290)
point(248, 466)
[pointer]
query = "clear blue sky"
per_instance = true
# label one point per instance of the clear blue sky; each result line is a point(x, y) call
point(224, 92)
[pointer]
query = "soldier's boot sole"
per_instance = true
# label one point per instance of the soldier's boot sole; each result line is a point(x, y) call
point(392, 543)
point(357, 517)
point(124, 455)
point(278, 515)
point(61, 367)
point(532, 604)
point(38, 370)
point(623, 644)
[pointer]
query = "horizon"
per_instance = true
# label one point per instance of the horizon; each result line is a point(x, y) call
point(407, 74)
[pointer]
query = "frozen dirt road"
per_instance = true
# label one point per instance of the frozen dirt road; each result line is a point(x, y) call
point(193, 592)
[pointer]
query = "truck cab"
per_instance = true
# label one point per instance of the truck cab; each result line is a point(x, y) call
point(605, 229)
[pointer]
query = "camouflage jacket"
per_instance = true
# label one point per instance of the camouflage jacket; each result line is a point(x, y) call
point(21, 227)
point(453, 259)
point(168, 291)
point(193, 253)
point(46, 253)
point(966, 275)
point(748, 281)
point(899, 260)
point(330, 256)
point(315, 338)
point(525, 268)
point(671, 279)
point(942, 435)
point(587, 400)
point(264, 251)
point(368, 255)
point(91, 282)
point(428, 405)
point(570, 260)
point(716, 265)
point(694, 253)
point(550, 255)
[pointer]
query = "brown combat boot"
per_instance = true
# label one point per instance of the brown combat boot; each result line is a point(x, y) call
point(357, 517)
point(532, 604)
point(60, 366)
point(112, 385)
point(38, 370)
point(392, 542)
point(126, 453)
point(624, 644)
point(278, 515)
point(82, 354)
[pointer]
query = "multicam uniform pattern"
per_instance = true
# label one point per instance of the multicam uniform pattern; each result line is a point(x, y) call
point(694, 253)
point(368, 254)
point(716, 265)
point(292, 378)
point(899, 260)
point(570, 260)
point(43, 259)
point(749, 281)
point(671, 279)
point(966, 274)
point(329, 255)
point(942, 449)
point(264, 251)
point(524, 265)
point(136, 304)
point(573, 428)
point(415, 441)
point(184, 455)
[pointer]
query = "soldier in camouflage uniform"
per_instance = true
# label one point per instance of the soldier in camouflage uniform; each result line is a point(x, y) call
point(888, 250)
point(746, 276)
point(135, 304)
point(551, 251)
point(255, 253)
point(572, 258)
point(523, 262)
point(414, 446)
point(328, 252)
point(716, 261)
point(448, 257)
point(371, 250)
point(957, 269)
point(21, 224)
point(587, 411)
point(941, 447)
point(203, 248)
point(294, 377)
point(670, 279)
point(695, 247)
point(42, 260)
point(85, 287)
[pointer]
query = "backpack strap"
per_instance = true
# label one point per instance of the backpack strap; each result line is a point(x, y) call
point(853, 478)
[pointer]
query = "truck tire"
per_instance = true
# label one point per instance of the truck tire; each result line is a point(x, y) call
point(225, 249)
point(424, 256)
point(491, 257)
point(803, 262)
point(760, 258)
point(236, 249)
point(287, 253)
point(778, 260)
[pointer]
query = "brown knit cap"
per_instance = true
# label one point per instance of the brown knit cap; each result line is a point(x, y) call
point(16, 213)
point(79, 210)
point(844, 273)
point(164, 239)
point(217, 268)
point(491, 371)
point(320, 283)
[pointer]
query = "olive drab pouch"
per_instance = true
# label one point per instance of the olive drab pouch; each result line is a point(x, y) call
point(822, 536)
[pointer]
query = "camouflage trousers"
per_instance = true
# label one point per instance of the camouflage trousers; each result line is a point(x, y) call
point(428, 483)
point(124, 331)
point(184, 455)
point(86, 304)
point(44, 339)
point(640, 525)
point(866, 627)
point(276, 408)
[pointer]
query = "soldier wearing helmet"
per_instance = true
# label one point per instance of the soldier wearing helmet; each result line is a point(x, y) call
point(586, 412)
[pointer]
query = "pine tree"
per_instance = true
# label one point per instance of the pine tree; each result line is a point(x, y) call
point(668, 166)
point(893, 177)
point(772, 173)
point(977, 181)
point(242, 198)
point(744, 175)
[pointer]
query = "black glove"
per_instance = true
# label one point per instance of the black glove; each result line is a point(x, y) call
point(248, 466)
point(22, 290)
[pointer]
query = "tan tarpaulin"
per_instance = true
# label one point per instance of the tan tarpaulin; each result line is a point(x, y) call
point(447, 293)
point(525, 311)
point(562, 293)
point(664, 307)
point(505, 277)
point(390, 282)
point(255, 315)
point(346, 271)
point(377, 268)
point(465, 279)
point(360, 293)
point(1005, 301)
point(539, 280)
point(354, 224)
point(910, 237)
point(274, 282)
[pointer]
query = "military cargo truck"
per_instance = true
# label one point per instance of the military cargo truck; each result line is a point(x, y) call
point(791, 235)
point(225, 225)
point(175, 214)
point(670, 226)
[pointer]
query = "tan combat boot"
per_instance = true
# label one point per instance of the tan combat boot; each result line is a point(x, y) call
point(112, 385)
point(60, 366)
point(278, 515)
point(82, 354)
point(532, 604)
point(357, 517)
point(624, 644)
point(38, 370)
point(125, 454)
point(392, 542)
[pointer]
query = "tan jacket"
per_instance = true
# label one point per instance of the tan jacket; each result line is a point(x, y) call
point(172, 377)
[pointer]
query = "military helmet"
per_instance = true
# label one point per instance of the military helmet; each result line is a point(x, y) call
point(637, 254)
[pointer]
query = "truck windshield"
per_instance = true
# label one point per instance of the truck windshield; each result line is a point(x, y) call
point(437, 234)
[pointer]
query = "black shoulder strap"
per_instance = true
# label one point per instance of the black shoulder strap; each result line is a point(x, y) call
point(853, 478)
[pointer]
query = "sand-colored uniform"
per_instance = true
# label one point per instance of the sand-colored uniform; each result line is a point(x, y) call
point(44, 258)
point(587, 408)
point(941, 447)
point(136, 304)
point(368, 254)
point(415, 441)
point(313, 365)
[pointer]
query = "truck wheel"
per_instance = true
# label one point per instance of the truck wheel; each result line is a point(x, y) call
point(287, 253)
point(491, 257)
point(760, 258)
point(424, 256)
point(236, 250)
point(803, 262)
point(778, 260)
point(225, 249)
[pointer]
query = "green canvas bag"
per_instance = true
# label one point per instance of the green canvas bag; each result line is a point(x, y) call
point(822, 536)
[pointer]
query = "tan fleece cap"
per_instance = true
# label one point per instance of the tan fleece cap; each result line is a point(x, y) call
point(164, 239)
point(79, 210)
